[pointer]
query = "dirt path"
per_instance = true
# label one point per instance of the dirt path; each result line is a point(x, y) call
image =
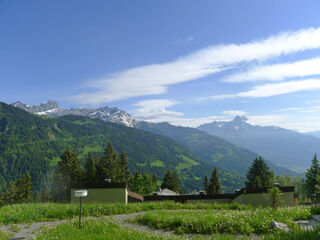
point(122, 221)
point(27, 231)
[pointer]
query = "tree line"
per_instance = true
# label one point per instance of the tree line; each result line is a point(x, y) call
point(70, 173)
point(109, 167)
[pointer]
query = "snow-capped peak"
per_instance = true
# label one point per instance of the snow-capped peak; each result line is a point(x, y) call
point(107, 114)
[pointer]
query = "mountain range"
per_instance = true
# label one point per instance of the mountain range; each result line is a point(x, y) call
point(33, 143)
point(52, 109)
point(214, 150)
point(155, 147)
point(281, 146)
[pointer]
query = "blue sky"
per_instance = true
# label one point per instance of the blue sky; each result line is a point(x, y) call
point(186, 62)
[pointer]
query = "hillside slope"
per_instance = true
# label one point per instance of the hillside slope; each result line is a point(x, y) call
point(281, 146)
point(210, 148)
point(34, 143)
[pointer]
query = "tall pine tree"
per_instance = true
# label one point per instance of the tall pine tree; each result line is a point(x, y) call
point(91, 169)
point(167, 180)
point(108, 166)
point(312, 182)
point(214, 186)
point(259, 174)
point(125, 175)
point(68, 174)
point(176, 185)
point(171, 181)
point(24, 188)
point(206, 184)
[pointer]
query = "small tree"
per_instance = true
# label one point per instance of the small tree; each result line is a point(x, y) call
point(259, 174)
point(312, 182)
point(144, 185)
point(214, 186)
point(276, 197)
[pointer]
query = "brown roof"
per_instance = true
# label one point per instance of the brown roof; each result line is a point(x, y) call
point(183, 198)
point(135, 195)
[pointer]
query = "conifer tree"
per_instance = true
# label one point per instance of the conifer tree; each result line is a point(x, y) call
point(24, 189)
point(312, 182)
point(136, 183)
point(124, 168)
point(176, 182)
point(154, 178)
point(45, 195)
point(167, 180)
point(108, 166)
point(91, 169)
point(68, 174)
point(206, 184)
point(214, 186)
point(259, 174)
point(11, 195)
point(171, 181)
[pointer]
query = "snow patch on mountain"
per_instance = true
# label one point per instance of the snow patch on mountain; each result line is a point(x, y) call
point(107, 114)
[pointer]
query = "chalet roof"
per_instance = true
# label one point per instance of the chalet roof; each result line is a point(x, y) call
point(165, 192)
point(135, 195)
point(231, 196)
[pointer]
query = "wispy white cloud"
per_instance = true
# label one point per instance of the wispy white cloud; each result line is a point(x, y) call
point(288, 121)
point(155, 110)
point(278, 72)
point(268, 90)
point(234, 113)
point(154, 79)
point(300, 109)
point(189, 39)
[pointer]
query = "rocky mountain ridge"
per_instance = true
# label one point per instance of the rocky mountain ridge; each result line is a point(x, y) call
point(281, 146)
point(107, 114)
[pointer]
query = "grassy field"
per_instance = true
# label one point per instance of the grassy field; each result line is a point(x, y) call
point(223, 221)
point(103, 228)
point(206, 221)
point(23, 213)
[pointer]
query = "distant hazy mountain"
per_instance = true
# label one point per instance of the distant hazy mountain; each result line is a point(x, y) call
point(281, 146)
point(315, 134)
point(52, 109)
point(210, 148)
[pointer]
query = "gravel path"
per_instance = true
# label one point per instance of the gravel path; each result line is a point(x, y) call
point(122, 221)
point(27, 231)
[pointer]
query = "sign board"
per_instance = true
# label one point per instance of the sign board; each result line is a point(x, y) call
point(81, 193)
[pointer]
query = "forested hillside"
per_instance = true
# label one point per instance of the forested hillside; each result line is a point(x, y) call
point(34, 143)
point(213, 149)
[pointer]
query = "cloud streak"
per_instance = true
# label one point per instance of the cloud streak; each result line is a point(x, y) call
point(268, 90)
point(278, 72)
point(155, 109)
point(155, 79)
